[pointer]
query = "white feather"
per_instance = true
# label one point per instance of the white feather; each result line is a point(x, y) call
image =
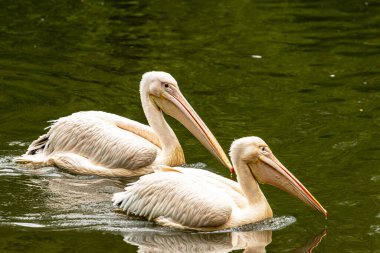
point(175, 195)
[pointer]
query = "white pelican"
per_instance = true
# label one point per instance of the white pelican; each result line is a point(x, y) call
point(197, 199)
point(101, 143)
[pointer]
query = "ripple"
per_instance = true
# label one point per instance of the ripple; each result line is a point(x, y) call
point(345, 145)
point(18, 143)
point(113, 222)
point(9, 168)
point(29, 225)
point(348, 203)
point(7, 161)
point(6, 171)
point(375, 229)
point(275, 223)
point(198, 165)
point(103, 221)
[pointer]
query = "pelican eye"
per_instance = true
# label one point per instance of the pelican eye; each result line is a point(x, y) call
point(167, 87)
point(262, 148)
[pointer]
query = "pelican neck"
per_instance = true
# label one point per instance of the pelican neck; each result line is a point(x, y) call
point(168, 139)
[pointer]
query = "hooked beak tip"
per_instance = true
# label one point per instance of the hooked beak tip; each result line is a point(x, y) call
point(232, 170)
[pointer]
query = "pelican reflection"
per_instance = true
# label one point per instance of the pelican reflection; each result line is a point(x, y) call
point(252, 241)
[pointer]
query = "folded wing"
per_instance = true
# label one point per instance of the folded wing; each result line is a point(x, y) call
point(182, 198)
point(103, 138)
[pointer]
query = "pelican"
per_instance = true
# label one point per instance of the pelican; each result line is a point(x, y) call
point(196, 199)
point(105, 144)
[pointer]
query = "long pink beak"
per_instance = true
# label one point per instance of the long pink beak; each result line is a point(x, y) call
point(177, 107)
point(270, 170)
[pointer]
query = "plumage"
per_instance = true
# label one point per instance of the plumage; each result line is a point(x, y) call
point(81, 132)
point(179, 196)
point(196, 199)
point(106, 144)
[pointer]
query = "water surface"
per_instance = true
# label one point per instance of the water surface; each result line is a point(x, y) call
point(303, 75)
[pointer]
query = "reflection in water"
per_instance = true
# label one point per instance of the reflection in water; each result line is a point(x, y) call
point(54, 200)
point(312, 243)
point(81, 194)
point(253, 241)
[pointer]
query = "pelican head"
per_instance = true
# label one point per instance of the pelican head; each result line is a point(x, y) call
point(163, 92)
point(265, 168)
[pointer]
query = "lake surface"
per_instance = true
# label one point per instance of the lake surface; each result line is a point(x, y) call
point(303, 75)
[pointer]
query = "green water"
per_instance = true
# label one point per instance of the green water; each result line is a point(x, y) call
point(303, 75)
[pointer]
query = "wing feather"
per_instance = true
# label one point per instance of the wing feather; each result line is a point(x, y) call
point(207, 175)
point(182, 198)
point(98, 137)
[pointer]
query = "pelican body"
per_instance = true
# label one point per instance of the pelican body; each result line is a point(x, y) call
point(106, 144)
point(201, 200)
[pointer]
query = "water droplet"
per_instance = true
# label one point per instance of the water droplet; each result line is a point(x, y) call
point(256, 56)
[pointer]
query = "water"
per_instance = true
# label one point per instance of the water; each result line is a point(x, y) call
point(303, 75)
